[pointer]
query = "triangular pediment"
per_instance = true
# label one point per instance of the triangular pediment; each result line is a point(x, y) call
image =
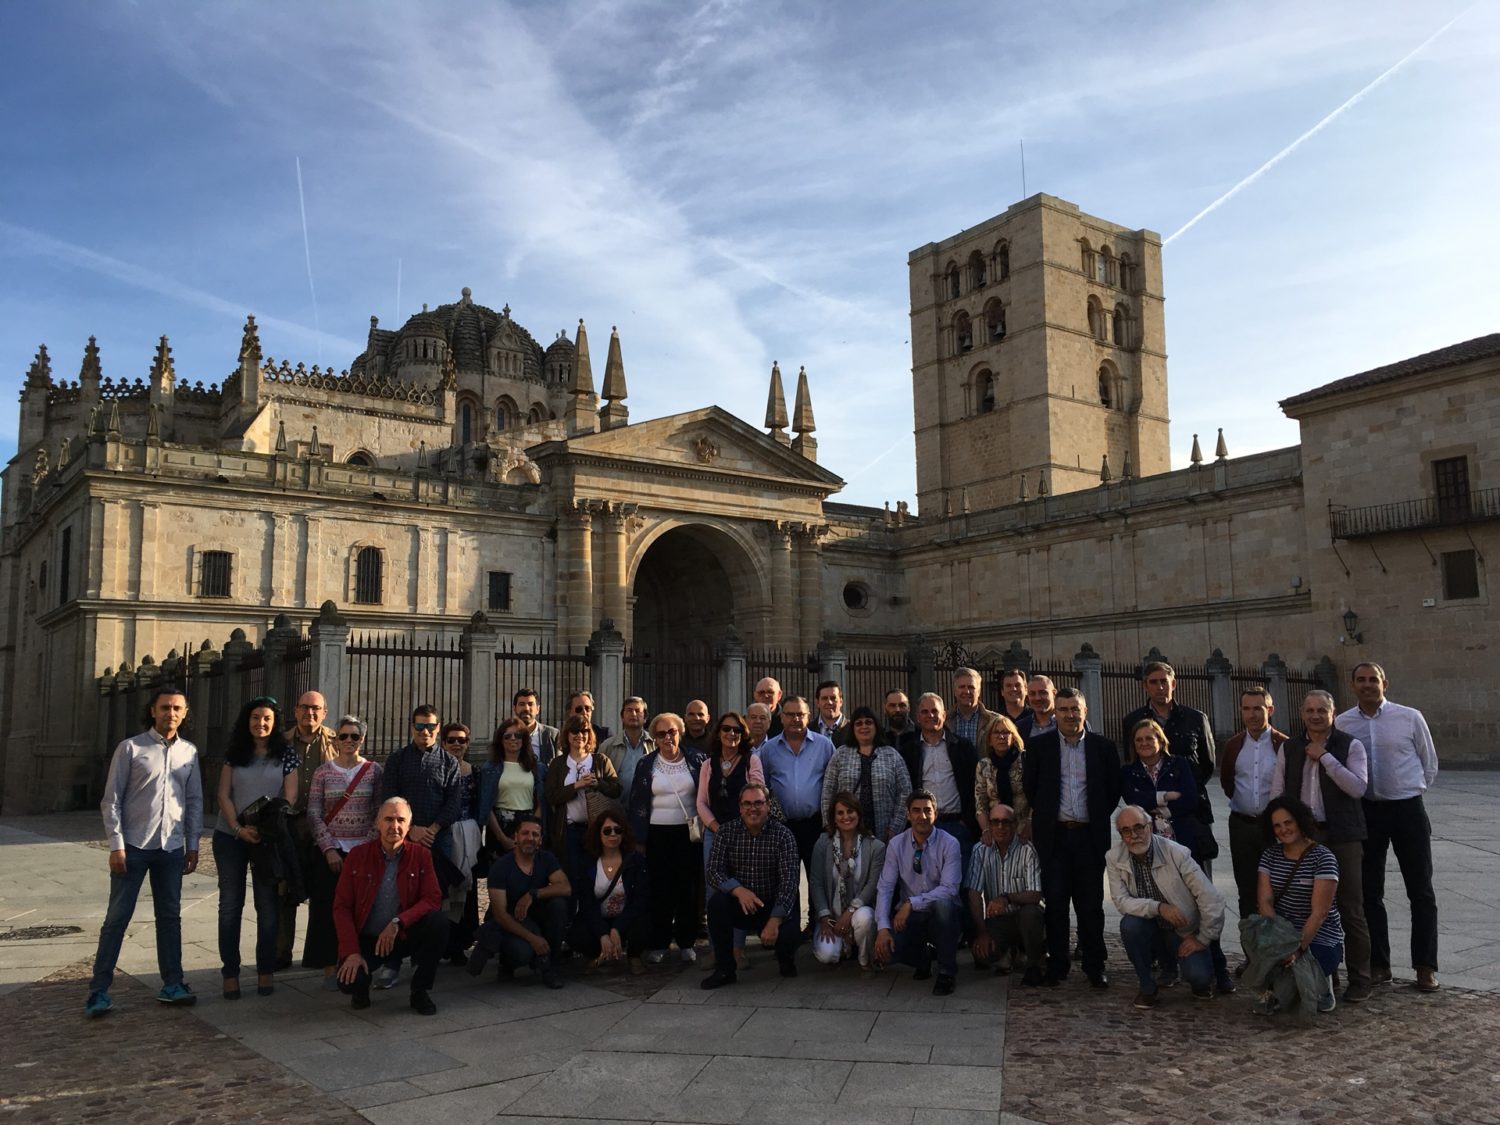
point(710, 441)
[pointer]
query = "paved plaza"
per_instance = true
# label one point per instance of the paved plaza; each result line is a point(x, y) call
point(824, 1047)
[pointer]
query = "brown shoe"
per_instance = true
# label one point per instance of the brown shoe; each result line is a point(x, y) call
point(1380, 976)
point(1427, 980)
point(1145, 1000)
point(1356, 992)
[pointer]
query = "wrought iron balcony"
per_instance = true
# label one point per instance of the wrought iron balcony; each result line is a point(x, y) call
point(1416, 515)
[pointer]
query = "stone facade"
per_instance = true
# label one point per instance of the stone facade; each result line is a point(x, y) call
point(457, 467)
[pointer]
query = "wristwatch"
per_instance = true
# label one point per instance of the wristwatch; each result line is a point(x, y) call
point(396, 921)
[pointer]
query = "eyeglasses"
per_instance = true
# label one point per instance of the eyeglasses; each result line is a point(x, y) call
point(670, 734)
point(1133, 829)
point(345, 736)
point(456, 740)
point(611, 830)
point(751, 804)
point(916, 861)
point(424, 726)
point(736, 731)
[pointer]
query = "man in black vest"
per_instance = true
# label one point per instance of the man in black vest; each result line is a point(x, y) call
point(1329, 771)
point(1072, 779)
point(1191, 738)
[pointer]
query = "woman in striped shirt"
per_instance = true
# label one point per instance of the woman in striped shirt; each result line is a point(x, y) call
point(1298, 880)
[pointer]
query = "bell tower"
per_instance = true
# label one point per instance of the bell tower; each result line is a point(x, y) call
point(1038, 351)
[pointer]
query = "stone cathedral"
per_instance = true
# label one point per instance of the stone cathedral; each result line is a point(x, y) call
point(458, 465)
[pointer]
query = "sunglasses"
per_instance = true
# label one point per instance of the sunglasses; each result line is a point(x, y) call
point(916, 861)
point(736, 731)
point(456, 740)
point(611, 830)
point(670, 734)
point(424, 726)
point(346, 737)
point(516, 734)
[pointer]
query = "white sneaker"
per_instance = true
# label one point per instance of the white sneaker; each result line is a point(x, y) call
point(656, 956)
point(689, 955)
point(386, 977)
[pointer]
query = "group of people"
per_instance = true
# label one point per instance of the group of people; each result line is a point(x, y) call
point(918, 834)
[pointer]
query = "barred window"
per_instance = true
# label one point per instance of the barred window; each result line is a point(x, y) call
point(213, 577)
point(368, 575)
point(499, 590)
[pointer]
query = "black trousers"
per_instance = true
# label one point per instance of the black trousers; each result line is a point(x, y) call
point(806, 832)
point(725, 916)
point(423, 942)
point(322, 948)
point(1404, 826)
point(1246, 842)
point(1073, 871)
point(585, 943)
point(547, 918)
point(674, 871)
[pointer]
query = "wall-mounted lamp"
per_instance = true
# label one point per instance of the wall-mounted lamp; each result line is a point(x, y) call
point(1351, 628)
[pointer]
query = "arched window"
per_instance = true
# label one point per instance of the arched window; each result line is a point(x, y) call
point(506, 414)
point(1121, 326)
point(465, 424)
point(1106, 266)
point(963, 332)
point(984, 387)
point(994, 321)
point(1096, 320)
point(1106, 392)
point(1002, 262)
point(977, 277)
point(1090, 259)
point(1127, 273)
point(368, 568)
point(360, 458)
point(952, 280)
point(538, 413)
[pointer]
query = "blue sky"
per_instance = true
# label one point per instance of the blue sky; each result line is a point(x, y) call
point(735, 183)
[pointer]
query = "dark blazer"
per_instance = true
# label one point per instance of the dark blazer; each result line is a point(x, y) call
point(961, 755)
point(1137, 789)
point(632, 876)
point(1041, 777)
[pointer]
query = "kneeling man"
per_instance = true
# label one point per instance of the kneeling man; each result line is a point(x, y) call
point(388, 905)
point(917, 902)
point(1170, 912)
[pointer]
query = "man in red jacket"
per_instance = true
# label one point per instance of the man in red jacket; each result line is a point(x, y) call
point(389, 904)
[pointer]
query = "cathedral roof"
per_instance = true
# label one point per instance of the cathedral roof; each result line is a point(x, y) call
point(1481, 347)
point(469, 330)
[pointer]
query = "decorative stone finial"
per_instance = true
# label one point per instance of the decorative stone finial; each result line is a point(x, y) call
point(1221, 451)
point(465, 294)
point(583, 368)
point(1041, 484)
point(776, 420)
point(90, 371)
point(1196, 457)
point(161, 365)
point(1125, 472)
point(1023, 488)
point(153, 429)
point(802, 411)
point(40, 372)
point(315, 447)
point(614, 369)
point(114, 418)
point(250, 343)
point(281, 437)
point(1104, 474)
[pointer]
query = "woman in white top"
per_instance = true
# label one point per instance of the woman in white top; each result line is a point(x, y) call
point(663, 802)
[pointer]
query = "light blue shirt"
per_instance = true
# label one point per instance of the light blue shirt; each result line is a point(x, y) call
point(900, 881)
point(1403, 760)
point(153, 796)
point(1074, 799)
point(796, 776)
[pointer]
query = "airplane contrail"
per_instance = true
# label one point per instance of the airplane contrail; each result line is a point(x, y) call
point(307, 254)
point(1318, 128)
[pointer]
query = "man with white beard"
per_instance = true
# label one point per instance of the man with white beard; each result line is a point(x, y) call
point(1170, 912)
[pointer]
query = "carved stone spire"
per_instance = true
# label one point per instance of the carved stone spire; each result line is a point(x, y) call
point(40, 372)
point(1221, 451)
point(1104, 474)
point(250, 343)
point(802, 420)
point(163, 373)
point(776, 420)
point(615, 412)
point(1196, 457)
point(281, 436)
point(583, 367)
point(90, 371)
point(1125, 473)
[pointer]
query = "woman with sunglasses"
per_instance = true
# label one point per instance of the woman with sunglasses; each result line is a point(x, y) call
point(258, 762)
point(843, 883)
point(510, 784)
point(874, 772)
point(612, 920)
point(341, 806)
point(575, 781)
point(663, 799)
point(464, 836)
point(720, 779)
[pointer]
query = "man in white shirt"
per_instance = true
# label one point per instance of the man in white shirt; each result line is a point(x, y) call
point(1403, 763)
point(1247, 764)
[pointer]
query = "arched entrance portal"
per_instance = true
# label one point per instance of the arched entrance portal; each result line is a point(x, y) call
point(691, 586)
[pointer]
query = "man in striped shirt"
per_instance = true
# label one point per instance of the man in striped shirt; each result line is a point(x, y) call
point(1004, 890)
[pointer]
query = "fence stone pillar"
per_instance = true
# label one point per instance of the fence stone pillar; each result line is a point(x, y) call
point(479, 642)
point(1327, 676)
point(733, 688)
point(105, 737)
point(921, 657)
point(833, 664)
point(236, 650)
point(329, 636)
point(121, 719)
point(1089, 666)
point(606, 656)
point(1274, 673)
point(275, 645)
point(1223, 712)
point(1016, 656)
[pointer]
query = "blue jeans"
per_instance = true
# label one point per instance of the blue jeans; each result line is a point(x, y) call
point(165, 869)
point(938, 925)
point(1146, 940)
point(232, 857)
